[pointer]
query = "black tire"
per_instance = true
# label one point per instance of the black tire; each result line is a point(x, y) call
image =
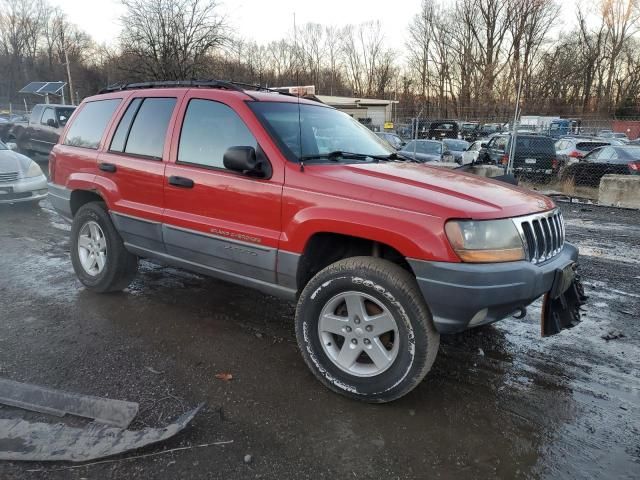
point(397, 290)
point(120, 267)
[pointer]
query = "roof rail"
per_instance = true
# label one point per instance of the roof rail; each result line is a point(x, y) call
point(173, 84)
point(222, 84)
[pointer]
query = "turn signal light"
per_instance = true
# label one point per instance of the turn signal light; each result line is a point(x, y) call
point(576, 154)
point(635, 166)
point(505, 159)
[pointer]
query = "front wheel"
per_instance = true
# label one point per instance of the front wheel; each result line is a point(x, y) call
point(98, 255)
point(365, 331)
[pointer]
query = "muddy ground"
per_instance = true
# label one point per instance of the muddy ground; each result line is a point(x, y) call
point(500, 402)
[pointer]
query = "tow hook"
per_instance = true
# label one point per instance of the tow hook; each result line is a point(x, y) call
point(520, 313)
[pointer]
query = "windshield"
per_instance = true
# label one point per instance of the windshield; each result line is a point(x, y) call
point(307, 130)
point(457, 145)
point(423, 146)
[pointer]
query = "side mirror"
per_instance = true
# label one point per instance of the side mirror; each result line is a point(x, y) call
point(245, 160)
point(12, 146)
point(52, 123)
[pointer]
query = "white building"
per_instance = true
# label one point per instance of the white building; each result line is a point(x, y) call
point(369, 111)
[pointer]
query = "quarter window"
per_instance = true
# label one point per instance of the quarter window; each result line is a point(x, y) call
point(89, 125)
point(208, 130)
point(149, 129)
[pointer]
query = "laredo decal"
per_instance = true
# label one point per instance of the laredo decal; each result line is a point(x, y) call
point(237, 236)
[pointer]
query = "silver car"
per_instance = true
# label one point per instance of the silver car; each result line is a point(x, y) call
point(21, 179)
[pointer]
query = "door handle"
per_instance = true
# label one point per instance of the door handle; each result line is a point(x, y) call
point(107, 167)
point(181, 182)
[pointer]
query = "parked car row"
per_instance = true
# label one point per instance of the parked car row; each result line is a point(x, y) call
point(38, 133)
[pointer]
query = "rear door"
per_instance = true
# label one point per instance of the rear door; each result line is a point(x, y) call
point(132, 166)
point(217, 218)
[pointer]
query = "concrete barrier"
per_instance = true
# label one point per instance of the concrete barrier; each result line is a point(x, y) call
point(487, 170)
point(620, 191)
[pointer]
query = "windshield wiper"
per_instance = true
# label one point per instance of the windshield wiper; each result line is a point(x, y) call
point(397, 156)
point(336, 155)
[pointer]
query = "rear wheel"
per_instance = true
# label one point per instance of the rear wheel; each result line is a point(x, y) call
point(97, 252)
point(364, 329)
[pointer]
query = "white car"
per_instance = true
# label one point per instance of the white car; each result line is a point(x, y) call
point(21, 179)
point(471, 154)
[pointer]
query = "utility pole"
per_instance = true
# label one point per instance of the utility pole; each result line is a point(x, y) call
point(66, 59)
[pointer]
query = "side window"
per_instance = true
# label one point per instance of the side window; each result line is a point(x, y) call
point(149, 129)
point(607, 153)
point(89, 125)
point(122, 132)
point(500, 144)
point(594, 154)
point(47, 115)
point(208, 130)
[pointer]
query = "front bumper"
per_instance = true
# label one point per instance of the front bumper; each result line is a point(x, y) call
point(24, 190)
point(465, 295)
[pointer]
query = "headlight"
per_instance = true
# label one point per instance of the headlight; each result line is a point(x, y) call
point(34, 170)
point(485, 241)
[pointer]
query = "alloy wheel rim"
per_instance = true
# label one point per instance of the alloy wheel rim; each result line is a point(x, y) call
point(92, 248)
point(359, 334)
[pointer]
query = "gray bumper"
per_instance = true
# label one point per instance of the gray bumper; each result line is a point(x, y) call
point(459, 292)
point(60, 198)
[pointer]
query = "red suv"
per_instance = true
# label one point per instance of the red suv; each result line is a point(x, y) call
point(298, 200)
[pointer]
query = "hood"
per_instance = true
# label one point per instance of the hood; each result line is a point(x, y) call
point(431, 190)
point(11, 161)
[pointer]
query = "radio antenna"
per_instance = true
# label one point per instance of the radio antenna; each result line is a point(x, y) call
point(297, 54)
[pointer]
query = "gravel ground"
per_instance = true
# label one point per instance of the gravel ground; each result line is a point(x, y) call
point(500, 401)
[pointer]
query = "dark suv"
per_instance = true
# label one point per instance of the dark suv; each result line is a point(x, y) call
point(533, 154)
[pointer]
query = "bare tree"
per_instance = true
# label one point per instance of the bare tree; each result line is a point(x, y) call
point(170, 39)
point(419, 44)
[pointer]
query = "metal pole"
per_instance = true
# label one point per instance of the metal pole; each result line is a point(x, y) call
point(514, 131)
point(66, 59)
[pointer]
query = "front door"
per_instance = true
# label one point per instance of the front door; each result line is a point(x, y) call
point(216, 218)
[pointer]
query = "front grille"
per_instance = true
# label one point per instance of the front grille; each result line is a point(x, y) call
point(8, 177)
point(542, 235)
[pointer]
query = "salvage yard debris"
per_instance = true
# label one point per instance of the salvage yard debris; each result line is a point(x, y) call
point(227, 377)
point(30, 441)
point(39, 441)
point(112, 412)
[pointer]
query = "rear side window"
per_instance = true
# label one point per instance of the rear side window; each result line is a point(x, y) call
point(89, 125)
point(208, 130)
point(120, 137)
point(147, 133)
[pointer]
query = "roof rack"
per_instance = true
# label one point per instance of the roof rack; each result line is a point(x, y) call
point(172, 84)
point(222, 84)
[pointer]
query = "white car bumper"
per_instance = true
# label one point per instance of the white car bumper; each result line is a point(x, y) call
point(24, 190)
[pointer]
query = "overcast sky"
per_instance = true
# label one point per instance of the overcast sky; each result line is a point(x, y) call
point(265, 20)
